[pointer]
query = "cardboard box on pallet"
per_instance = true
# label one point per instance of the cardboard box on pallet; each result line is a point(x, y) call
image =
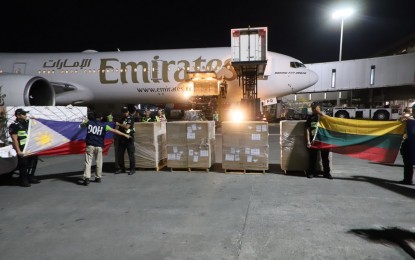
point(244, 127)
point(177, 156)
point(198, 132)
point(197, 138)
point(150, 145)
point(294, 152)
point(200, 156)
point(176, 132)
point(245, 145)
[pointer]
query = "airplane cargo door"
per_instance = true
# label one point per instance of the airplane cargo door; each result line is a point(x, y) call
point(248, 47)
point(249, 44)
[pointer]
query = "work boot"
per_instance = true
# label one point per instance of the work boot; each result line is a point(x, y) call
point(25, 183)
point(328, 176)
point(118, 171)
point(86, 182)
point(34, 180)
point(405, 182)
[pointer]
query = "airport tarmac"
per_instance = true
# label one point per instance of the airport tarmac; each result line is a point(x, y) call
point(363, 213)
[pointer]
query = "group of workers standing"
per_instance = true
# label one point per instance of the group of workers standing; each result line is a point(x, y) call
point(97, 129)
point(95, 139)
point(125, 129)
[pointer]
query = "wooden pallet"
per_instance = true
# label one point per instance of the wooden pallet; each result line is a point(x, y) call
point(161, 164)
point(304, 171)
point(189, 169)
point(244, 171)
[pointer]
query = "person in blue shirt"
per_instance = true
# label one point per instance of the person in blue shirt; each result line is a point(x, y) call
point(95, 137)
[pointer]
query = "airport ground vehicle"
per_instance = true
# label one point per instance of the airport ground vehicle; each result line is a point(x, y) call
point(367, 113)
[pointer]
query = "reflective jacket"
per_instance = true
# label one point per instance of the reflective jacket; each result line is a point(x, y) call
point(20, 128)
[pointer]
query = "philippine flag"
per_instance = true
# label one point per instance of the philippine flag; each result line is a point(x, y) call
point(48, 137)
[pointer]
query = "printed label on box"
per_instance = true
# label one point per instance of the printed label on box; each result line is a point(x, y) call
point(204, 153)
point(255, 151)
point(229, 157)
point(256, 137)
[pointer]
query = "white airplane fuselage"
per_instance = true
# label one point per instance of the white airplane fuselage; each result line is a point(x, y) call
point(133, 77)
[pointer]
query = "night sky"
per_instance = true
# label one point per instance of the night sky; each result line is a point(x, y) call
point(303, 29)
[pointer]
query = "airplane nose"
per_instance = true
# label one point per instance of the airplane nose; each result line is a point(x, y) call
point(313, 78)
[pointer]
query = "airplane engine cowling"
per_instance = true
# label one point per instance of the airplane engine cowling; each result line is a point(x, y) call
point(25, 90)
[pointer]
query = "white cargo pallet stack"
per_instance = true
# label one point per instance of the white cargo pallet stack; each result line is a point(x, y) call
point(245, 146)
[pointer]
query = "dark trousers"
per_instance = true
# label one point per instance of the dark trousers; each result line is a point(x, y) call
point(313, 153)
point(27, 167)
point(123, 144)
point(408, 169)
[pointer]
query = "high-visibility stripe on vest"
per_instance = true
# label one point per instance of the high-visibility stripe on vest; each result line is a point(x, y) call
point(22, 137)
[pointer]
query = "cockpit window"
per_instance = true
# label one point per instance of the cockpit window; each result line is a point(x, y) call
point(296, 64)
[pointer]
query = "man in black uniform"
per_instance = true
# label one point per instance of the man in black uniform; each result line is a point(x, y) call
point(126, 125)
point(408, 168)
point(19, 133)
point(311, 128)
point(95, 138)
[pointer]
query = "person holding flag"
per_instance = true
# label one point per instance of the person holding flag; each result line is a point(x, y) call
point(19, 133)
point(311, 128)
point(95, 137)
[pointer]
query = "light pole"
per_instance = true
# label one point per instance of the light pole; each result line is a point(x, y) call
point(342, 13)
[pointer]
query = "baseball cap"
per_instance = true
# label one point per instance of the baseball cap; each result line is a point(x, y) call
point(98, 114)
point(124, 109)
point(315, 104)
point(20, 111)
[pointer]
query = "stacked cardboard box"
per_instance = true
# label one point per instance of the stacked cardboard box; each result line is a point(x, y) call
point(245, 145)
point(294, 153)
point(205, 88)
point(150, 145)
point(190, 144)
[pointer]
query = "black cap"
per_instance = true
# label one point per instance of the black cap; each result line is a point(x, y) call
point(124, 109)
point(20, 111)
point(98, 115)
point(315, 104)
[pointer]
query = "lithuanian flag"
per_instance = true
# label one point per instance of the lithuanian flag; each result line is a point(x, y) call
point(376, 141)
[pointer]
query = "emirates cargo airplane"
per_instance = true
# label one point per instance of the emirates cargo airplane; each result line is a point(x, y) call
point(134, 77)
